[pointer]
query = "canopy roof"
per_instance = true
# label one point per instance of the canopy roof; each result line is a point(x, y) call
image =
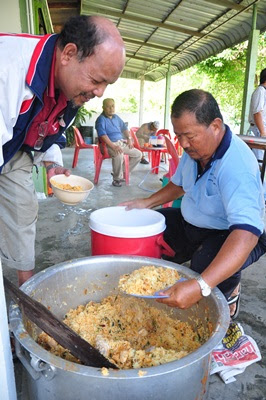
point(163, 34)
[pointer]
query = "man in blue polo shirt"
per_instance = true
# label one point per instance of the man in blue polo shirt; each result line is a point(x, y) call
point(220, 226)
point(113, 132)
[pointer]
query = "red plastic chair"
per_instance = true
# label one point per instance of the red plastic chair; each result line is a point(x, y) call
point(80, 144)
point(136, 144)
point(164, 132)
point(174, 160)
point(101, 154)
point(173, 163)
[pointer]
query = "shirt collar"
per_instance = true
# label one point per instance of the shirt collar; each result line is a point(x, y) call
point(51, 92)
point(51, 88)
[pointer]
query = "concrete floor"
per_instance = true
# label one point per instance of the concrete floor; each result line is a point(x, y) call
point(63, 233)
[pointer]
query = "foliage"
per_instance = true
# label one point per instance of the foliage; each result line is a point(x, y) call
point(79, 119)
point(223, 75)
point(129, 104)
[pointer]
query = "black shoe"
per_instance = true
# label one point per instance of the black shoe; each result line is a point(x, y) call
point(143, 161)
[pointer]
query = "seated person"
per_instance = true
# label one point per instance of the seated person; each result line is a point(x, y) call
point(112, 130)
point(143, 134)
point(220, 226)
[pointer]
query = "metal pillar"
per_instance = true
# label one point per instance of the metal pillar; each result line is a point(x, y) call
point(252, 55)
point(7, 379)
point(167, 98)
point(141, 100)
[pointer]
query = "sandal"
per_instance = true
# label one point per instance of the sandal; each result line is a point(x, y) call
point(235, 300)
point(116, 183)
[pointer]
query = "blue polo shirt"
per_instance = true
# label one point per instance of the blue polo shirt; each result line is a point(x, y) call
point(112, 127)
point(228, 194)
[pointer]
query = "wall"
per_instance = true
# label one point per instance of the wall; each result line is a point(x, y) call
point(10, 16)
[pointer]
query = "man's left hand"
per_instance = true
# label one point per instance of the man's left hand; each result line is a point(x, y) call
point(182, 295)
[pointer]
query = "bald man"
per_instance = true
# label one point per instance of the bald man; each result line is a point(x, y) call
point(112, 130)
point(52, 76)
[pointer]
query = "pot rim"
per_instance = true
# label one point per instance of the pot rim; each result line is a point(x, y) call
point(27, 342)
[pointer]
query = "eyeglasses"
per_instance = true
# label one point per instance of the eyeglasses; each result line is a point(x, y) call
point(45, 128)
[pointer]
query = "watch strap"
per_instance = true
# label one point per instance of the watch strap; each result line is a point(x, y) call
point(51, 166)
point(204, 287)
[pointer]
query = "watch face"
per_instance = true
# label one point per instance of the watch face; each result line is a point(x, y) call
point(206, 291)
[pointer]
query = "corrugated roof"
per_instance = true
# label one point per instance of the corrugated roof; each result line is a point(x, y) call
point(175, 34)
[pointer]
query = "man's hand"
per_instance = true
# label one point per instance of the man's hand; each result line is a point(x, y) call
point(182, 294)
point(55, 170)
point(137, 203)
point(117, 149)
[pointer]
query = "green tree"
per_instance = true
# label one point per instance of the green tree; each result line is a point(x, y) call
point(223, 75)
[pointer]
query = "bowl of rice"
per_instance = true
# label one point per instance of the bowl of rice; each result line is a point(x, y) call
point(71, 189)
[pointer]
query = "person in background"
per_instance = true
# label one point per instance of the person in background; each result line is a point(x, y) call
point(113, 132)
point(220, 226)
point(44, 81)
point(143, 134)
point(257, 113)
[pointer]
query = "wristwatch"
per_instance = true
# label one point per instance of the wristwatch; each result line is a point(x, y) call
point(204, 287)
point(53, 165)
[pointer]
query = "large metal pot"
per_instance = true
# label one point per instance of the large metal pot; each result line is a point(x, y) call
point(69, 284)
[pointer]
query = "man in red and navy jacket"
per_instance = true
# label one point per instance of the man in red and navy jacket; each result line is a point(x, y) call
point(43, 82)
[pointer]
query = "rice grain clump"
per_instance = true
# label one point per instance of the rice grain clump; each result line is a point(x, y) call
point(129, 332)
point(147, 280)
point(67, 186)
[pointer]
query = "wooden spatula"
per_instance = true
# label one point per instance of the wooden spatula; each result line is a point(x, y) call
point(59, 331)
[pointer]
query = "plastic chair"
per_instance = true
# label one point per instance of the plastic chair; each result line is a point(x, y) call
point(101, 153)
point(174, 160)
point(80, 144)
point(165, 133)
point(173, 163)
point(136, 144)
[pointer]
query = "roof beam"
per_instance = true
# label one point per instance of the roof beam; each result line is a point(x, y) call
point(145, 59)
point(145, 21)
point(227, 4)
point(63, 5)
point(153, 46)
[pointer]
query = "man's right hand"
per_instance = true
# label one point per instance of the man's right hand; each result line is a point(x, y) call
point(117, 149)
point(137, 203)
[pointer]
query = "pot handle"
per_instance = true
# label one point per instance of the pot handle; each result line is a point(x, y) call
point(25, 361)
point(35, 367)
point(167, 250)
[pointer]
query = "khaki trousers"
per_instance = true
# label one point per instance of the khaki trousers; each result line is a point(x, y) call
point(18, 213)
point(118, 159)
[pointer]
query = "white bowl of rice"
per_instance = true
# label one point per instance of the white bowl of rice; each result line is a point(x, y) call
point(71, 189)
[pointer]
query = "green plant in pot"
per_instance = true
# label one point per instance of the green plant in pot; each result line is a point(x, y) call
point(79, 119)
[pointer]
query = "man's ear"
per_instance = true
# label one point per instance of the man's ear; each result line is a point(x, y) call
point(217, 125)
point(69, 51)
